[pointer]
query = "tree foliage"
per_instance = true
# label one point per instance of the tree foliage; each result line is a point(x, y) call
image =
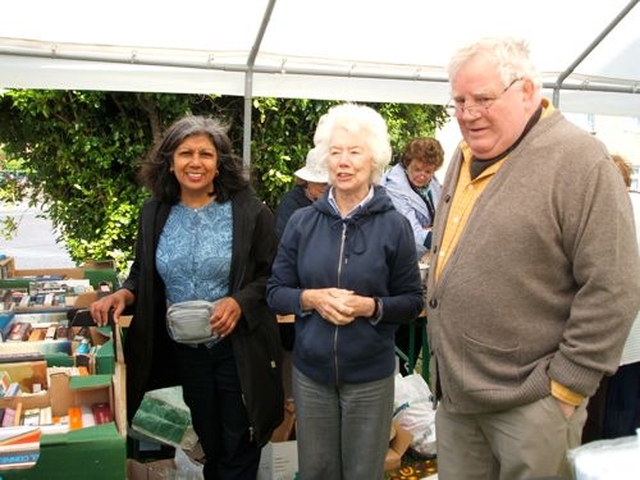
point(80, 151)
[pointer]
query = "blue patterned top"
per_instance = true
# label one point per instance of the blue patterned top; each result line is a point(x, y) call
point(194, 252)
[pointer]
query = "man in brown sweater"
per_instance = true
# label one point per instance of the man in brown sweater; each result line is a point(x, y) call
point(535, 274)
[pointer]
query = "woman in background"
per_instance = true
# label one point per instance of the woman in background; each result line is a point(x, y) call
point(414, 189)
point(415, 192)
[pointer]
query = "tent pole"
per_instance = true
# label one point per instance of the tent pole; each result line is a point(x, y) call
point(562, 77)
point(248, 85)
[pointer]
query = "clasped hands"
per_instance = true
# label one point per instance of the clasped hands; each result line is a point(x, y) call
point(337, 305)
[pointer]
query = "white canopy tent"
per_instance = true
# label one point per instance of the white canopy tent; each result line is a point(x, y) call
point(360, 50)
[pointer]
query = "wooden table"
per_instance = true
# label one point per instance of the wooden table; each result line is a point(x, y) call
point(286, 318)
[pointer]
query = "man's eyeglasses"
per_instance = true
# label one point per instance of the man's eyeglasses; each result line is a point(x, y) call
point(460, 105)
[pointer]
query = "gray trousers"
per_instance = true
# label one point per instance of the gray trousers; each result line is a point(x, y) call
point(521, 443)
point(342, 430)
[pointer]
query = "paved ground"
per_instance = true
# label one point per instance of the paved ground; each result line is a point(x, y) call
point(35, 244)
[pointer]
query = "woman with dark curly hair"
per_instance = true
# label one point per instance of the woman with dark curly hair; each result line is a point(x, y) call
point(414, 189)
point(204, 239)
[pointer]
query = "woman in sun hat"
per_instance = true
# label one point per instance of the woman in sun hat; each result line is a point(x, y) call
point(311, 182)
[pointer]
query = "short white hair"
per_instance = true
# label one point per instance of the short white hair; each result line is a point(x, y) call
point(511, 57)
point(356, 118)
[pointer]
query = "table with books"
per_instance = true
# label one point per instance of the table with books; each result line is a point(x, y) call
point(62, 390)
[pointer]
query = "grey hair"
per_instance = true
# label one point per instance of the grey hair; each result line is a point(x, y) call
point(356, 118)
point(510, 55)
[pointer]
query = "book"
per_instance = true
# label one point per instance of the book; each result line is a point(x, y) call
point(37, 334)
point(19, 332)
point(9, 417)
point(7, 317)
point(24, 301)
point(13, 390)
point(101, 413)
point(46, 417)
point(18, 357)
point(21, 458)
point(13, 435)
point(5, 381)
point(31, 417)
point(51, 332)
point(17, 419)
point(62, 331)
point(75, 418)
point(88, 420)
point(19, 447)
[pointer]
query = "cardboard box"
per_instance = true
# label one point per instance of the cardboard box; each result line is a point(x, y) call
point(7, 267)
point(279, 459)
point(27, 374)
point(62, 352)
point(154, 470)
point(98, 452)
point(96, 272)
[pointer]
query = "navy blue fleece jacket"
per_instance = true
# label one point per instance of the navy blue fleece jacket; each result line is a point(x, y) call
point(372, 253)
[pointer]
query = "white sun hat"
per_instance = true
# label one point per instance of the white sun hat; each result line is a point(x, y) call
point(312, 171)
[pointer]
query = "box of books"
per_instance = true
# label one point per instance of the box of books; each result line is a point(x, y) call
point(24, 294)
point(78, 415)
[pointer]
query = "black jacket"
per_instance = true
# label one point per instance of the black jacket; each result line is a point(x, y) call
point(293, 200)
point(256, 344)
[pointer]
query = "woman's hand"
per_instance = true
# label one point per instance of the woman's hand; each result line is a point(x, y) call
point(225, 317)
point(337, 305)
point(117, 301)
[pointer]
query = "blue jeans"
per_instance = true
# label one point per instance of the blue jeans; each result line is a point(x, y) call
point(342, 430)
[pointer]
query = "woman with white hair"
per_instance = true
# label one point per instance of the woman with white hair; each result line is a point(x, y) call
point(347, 268)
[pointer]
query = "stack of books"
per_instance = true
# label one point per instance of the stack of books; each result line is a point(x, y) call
point(19, 447)
point(43, 294)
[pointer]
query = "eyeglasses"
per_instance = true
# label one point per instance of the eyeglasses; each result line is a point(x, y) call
point(460, 105)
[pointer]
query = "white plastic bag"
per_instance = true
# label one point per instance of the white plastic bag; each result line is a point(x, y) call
point(607, 459)
point(186, 468)
point(413, 410)
point(164, 417)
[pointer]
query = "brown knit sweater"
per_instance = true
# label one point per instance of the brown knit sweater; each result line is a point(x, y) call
point(544, 282)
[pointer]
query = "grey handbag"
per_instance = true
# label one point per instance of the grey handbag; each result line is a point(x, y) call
point(188, 322)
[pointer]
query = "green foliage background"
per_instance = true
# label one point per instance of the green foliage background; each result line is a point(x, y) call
point(80, 151)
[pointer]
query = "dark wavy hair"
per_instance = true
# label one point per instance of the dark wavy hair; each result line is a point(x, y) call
point(426, 149)
point(155, 174)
